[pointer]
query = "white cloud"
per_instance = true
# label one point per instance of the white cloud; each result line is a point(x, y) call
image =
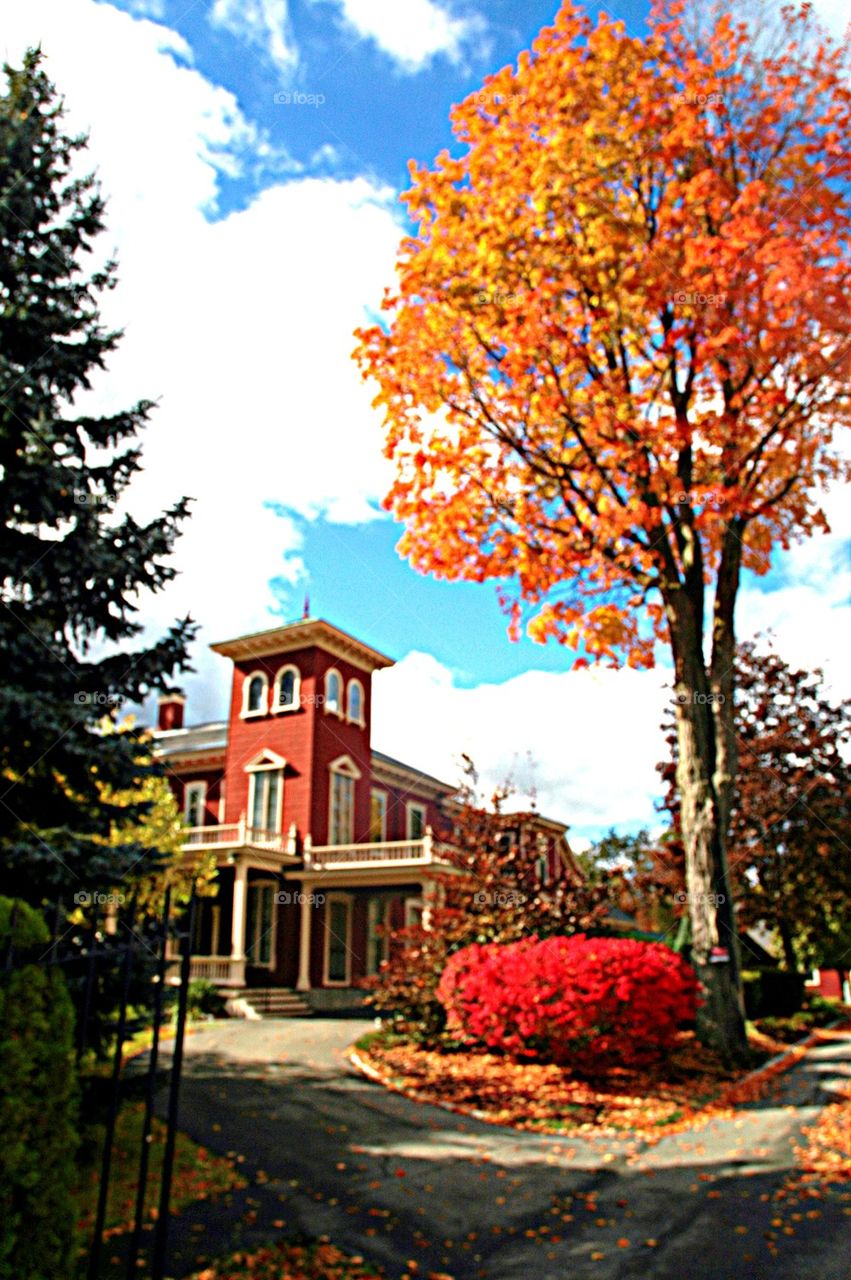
point(834, 14)
point(587, 742)
point(261, 23)
point(412, 32)
point(241, 328)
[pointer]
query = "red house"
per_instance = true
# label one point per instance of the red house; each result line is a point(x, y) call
point(320, 840)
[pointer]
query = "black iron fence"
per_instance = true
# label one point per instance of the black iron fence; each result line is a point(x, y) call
point(126, 971)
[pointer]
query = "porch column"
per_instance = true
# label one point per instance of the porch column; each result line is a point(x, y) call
point(305, 918)
point(237, 934)
point(430, 898)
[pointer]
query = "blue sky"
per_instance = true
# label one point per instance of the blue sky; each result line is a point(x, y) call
point(253, 236)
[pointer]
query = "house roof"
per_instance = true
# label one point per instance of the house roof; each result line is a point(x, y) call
point(196, 740)
point(396, 771)
point(299, 635)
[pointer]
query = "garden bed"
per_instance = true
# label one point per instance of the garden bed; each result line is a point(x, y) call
point(687, 1088)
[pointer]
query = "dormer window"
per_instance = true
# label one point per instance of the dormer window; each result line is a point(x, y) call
point(255, 694)
point(333, 692)
point(354, 705)
point(287, 689)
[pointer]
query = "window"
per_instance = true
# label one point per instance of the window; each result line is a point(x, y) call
point(338, 920)
point(287, 689)
point(341, 801)
point(194, 800)
point(377, 910)
point(342, 809)
point(378, 816)
point(413, 913)
point(415, 820)
point(542, 862)
point(266, 792)
point(255, 692)
point(260, 931)
point(333, 692)
point(354, 707)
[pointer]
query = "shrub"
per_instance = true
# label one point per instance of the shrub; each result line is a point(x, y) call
point(589, 1003)
point(38, 1137)
point(203, 999)
point(772, 993)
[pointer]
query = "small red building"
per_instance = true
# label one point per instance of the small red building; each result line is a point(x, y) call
point(320, 840)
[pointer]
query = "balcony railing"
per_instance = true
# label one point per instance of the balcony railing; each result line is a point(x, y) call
point(235, 835)
point(385, 853)
point(388, 853)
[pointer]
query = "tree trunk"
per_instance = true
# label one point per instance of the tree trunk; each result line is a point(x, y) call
point(788, 946)
point(704, 816)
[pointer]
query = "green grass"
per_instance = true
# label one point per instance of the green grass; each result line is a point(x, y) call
point(197, 1174)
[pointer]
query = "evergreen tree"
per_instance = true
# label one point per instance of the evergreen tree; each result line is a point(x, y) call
point(71, 568)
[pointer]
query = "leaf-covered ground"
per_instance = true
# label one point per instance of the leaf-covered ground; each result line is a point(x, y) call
point(197, 1175)
point(283, 1261)
point(689, 1086)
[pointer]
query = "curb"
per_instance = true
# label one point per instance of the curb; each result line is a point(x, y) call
point(727, 1098)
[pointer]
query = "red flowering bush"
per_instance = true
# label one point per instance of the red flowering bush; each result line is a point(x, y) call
point(589, 1003)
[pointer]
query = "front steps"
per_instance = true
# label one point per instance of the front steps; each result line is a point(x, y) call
point(267, 1002)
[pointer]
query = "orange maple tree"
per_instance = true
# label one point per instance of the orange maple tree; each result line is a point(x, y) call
point(617, 356)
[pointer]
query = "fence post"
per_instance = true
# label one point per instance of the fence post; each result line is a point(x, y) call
point(150, 1086)
point(106, 1163)
point(161, 1238)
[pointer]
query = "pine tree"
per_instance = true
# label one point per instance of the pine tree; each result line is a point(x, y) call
point(72, 569)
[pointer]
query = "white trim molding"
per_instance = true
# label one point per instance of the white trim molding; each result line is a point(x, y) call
point(263, 708)
point(295, 700)
point(333, 706)
point(199, 790)
point(358, 715)
point(411, 807)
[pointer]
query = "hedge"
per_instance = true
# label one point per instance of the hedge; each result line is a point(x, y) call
point(38, 1108)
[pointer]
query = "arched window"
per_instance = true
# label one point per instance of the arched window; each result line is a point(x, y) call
point(255, 693)
point(287, 687)
point(354, 706)
point(333, 692)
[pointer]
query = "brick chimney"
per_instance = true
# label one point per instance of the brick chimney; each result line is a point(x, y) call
point(170, 710)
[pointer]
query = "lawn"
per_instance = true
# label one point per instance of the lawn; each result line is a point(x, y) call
point(197, 1174)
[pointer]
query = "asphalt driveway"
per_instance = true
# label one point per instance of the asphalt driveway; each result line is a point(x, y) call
point(421, 1190)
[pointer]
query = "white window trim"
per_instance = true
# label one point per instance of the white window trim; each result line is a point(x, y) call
point(377, 791)
point(339, 710)
point(350, 719)
point(273, 946)
point(275, 765)
point(346, 899)
point(198, 788)
point(263, 710)
point(410, 806)
point(277, 706)
point(345, 766)
point(814, 979)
